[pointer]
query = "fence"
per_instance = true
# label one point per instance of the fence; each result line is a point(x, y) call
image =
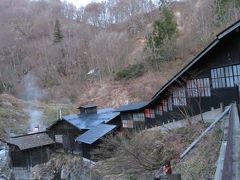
point(227, 171)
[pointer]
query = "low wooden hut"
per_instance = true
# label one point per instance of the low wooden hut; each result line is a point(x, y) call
point(30, 149)
point(67, 130)
point(92, 138)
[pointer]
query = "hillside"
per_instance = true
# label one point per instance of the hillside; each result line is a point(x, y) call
point(153, 148)
point(19, 117)
point(60, 57)
point(56, 57)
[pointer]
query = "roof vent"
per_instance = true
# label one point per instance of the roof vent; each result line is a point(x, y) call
point(90, 108)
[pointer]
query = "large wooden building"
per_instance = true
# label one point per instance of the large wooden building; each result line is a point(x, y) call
point(80, 133)
point(211, 78)
point(29, 149)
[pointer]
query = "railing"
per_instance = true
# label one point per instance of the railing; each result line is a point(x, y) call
point(227, 171)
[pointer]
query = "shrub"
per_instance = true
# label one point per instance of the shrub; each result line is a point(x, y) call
point(132, 71)
point(161, 41)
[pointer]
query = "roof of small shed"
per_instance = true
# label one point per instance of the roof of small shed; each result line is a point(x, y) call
point(30, 141)
point(132, 106)
point(90, 120)
point(96, 133)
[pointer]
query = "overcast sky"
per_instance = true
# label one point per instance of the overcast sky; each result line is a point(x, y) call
point(79, 3)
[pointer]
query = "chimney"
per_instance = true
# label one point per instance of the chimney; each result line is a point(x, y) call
point(90, 108)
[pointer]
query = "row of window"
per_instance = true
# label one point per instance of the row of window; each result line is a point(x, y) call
point(195, 88)
point(127, 123)
point(221, 78)
point(199, 88)
point(138, 117)
point(129, 119)
point(149, 113)
point(179, 97)
point(225, 76)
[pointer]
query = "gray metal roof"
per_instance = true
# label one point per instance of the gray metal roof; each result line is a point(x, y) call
point(96, 133)
point(90, 120)
point(30, 141)
point(229, 30)
point(132, 106)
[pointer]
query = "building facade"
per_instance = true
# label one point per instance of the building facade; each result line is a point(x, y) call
point(80, 133)
point(29, 149)
point(211, 78)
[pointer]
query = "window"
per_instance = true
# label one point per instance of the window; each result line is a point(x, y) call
point(236, 73)
point(127, 123)
point(218, 79)
point(229, 76)
point(149, 113)
point(199, 88)
point(127, 120)
point(179, 97)
point(225, 76)
point(170, 104)
point(59, 139)
point(159, 110)
point(138, 117)
point(165, 105)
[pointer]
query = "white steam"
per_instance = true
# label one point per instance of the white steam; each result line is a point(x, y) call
point(33, 93)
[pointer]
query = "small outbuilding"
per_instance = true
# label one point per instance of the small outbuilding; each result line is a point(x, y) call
point(29, 149)
point(67, 130)
point(92, 138)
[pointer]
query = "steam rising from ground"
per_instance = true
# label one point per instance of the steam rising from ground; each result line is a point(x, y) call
point(33, 93)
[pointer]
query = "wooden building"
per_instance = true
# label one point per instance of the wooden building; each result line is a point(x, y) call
point(30, 149)
point(92, 138)
point(211, 78)
point(68, 130)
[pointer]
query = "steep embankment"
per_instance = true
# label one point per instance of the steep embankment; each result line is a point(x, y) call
point(109, 92)
point(145, 153)
point(18, 116)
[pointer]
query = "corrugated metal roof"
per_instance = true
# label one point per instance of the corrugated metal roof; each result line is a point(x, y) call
point(132, 106)
point(90, 120)
point(30, 141)
point(96, 133)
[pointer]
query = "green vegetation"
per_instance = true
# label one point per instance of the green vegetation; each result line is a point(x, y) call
point(57, 34)
point(222, 10)
point(160, 43)
point(162, 29)
point(12, 121)
point(132, 71)
point(14, 117)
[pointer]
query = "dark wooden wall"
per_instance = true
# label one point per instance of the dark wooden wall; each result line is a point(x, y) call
point(69, 134)
point(225, 53)
point(116, 121)
point(30, 157)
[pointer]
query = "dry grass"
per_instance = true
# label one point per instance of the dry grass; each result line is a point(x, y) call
point(200, 163)
point(64, 166)
point(149, 148)
point(14, 118)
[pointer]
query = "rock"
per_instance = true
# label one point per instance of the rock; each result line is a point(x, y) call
point(6, 104)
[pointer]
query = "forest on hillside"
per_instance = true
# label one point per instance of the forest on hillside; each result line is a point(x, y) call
point(63, 49)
